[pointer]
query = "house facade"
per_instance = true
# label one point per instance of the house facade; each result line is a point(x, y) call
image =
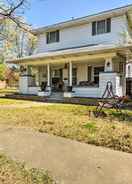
point(79, 57)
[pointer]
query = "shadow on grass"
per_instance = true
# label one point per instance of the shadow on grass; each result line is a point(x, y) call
point(121, 116)
point(124, 115)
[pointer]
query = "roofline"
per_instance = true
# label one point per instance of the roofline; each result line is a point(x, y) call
point(112, 12)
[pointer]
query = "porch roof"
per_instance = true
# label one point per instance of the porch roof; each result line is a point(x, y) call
point(73, 54)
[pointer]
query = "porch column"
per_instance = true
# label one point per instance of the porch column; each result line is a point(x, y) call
point(25, 79)
point(70, 73)
point(48, 75)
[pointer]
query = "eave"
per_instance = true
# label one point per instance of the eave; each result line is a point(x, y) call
point(72, 55)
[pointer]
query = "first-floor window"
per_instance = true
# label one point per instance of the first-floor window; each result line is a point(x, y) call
point(97, 70)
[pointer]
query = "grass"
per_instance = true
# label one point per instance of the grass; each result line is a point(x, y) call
point(72, 121)
point(7, 91)
point(4, 101)
point(12, 172)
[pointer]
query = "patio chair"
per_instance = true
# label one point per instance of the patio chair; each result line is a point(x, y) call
point(109, 101)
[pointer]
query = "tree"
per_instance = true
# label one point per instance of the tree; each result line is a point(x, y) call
point(11, 77)
point(3, 68)
point(13, 9)
point(18, 42)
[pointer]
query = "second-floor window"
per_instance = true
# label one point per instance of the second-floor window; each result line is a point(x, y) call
point(101, 27)
point(53, 36)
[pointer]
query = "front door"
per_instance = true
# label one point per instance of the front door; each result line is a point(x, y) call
point(57, 80)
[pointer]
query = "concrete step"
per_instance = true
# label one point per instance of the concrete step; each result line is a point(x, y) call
point(57, 96)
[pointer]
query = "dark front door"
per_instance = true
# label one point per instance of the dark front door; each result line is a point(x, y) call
point(129, 87)
point(57, 80)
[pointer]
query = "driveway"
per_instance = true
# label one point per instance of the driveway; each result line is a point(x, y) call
point(70, 162)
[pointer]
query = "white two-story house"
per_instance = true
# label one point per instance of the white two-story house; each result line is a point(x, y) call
point(79, 57)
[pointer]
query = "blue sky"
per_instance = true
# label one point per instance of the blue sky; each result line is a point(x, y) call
point(46, 12)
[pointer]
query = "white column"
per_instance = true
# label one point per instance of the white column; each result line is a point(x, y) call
point(108, 65)
point(70, 73)
point(24, 80)
point(48, 73)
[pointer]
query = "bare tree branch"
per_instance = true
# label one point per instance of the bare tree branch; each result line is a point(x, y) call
point(9, 10)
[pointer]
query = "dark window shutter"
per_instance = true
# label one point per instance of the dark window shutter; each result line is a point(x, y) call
point(47, 38)
point(109, 25)
point(93, 28)
point(57, 35)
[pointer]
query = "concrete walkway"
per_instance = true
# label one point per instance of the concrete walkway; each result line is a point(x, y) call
point(70, 162)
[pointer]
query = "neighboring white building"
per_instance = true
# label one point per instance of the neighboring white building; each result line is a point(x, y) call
point(82, 55)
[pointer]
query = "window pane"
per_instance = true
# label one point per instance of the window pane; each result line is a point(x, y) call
point(97, 70)
point(52, 37)
point(101, 27)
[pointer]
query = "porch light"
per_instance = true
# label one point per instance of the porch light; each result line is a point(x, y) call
point(108, 64)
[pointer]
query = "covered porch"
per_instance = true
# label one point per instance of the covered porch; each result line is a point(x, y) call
point(76, 74)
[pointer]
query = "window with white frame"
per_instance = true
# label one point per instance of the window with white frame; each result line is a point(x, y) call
point(53, 36)
point(101, 27)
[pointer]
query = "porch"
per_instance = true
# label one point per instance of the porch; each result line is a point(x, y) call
point(73, 79)
point(82, 72)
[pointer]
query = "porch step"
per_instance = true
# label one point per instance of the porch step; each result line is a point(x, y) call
point(57, 96)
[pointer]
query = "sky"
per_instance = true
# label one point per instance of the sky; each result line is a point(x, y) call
point(47, 12)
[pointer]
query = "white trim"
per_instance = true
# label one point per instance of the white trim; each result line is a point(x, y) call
point(48, 74)
point(70, 73)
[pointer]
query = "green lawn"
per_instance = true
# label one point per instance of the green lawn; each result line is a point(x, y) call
point(7, 91)
point(72, 121)
point(12, 172)
point(5, 101)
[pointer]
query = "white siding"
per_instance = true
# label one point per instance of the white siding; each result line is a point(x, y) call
point(82, 35)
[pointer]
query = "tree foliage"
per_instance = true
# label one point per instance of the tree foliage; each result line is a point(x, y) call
point(3, 69)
